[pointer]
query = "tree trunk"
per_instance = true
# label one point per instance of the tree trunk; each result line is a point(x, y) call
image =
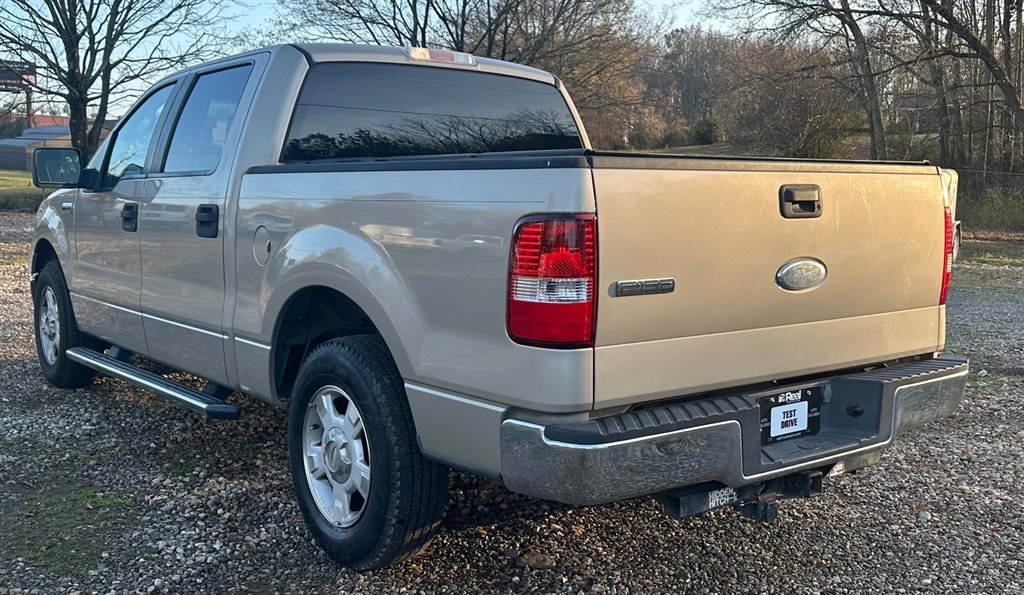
point(872, 102)
point(930, 42)
point(945, 133)
point(962, 150)
point(79, 123)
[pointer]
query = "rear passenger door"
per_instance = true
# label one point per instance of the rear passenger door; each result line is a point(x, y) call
point(181, 232)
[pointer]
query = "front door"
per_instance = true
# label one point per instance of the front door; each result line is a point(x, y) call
point(106, 288)
point(181, 230)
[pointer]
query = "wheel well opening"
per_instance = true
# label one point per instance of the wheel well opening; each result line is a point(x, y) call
point(312, 316)
point(42, 254)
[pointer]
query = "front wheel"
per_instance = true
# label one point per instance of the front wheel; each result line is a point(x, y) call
point(57, 331)
point(366, 492)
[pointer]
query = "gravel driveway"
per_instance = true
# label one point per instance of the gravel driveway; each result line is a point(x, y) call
point(108, 489)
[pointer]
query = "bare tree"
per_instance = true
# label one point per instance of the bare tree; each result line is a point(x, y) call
point(936, 79)
point(834, 25)
point(13, 118)
point(91, 52)
point(462, 25)
point(860, 50)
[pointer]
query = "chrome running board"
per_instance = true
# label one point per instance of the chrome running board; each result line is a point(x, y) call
point(206, 404)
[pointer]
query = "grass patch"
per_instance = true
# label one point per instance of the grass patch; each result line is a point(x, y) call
point(17, 192)
point(15, 179)
point(997, 253)
point(64, 530)
point(11, 261)
point(83, 498)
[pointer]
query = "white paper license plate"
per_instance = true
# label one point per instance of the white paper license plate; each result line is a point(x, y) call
point(790, 414)
point(787, 419)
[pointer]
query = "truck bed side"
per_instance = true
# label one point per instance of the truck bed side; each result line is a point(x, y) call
point(422, 247)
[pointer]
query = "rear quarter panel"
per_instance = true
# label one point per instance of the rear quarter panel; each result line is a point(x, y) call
point(425, 255)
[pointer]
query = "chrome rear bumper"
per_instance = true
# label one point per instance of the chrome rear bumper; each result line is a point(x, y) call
point(718, 439)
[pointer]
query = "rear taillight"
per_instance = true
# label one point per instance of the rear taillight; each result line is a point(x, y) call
point(552, 274)
point(947, 258)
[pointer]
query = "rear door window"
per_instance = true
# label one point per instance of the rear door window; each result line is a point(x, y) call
point(359, 110)
point(202, 128)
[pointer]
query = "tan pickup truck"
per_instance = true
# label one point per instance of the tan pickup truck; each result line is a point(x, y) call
point(417, 253)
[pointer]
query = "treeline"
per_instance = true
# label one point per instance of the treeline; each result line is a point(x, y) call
point(886, 79)
point(934, 78)
point(895, 79)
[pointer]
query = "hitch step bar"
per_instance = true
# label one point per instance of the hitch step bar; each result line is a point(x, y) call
point(209, 402)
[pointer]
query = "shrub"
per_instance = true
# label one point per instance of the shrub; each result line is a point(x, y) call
point(822, 140)
point(646, 129)
point(708, 132)
point(993, 209)
point(678, 135)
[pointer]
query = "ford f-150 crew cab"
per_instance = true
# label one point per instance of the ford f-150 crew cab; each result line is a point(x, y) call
point(417, 253)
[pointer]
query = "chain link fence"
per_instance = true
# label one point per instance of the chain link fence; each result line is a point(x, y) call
point(990, 205)
point(17, 192)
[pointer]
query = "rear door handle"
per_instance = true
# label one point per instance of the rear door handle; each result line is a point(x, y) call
point(207, 220)
point(800, 201)
point(130, 216)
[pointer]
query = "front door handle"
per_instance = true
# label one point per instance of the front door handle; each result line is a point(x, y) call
point(207, 220)
point(130, 216)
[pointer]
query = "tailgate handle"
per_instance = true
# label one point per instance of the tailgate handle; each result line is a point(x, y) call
point(800, 201)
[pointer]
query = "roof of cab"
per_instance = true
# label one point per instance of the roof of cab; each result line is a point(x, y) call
point(346, 52)
point(343, 52)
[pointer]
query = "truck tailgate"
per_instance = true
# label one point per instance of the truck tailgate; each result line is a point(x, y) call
point(716, 228)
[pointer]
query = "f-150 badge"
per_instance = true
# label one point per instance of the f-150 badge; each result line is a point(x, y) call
point(645, 286)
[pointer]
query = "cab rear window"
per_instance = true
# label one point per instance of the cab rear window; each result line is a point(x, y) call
point(359, 110)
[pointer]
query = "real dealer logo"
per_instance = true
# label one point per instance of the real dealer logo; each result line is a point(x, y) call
point(790, 397)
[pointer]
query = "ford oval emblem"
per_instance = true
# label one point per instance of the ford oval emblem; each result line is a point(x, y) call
point(800, 274)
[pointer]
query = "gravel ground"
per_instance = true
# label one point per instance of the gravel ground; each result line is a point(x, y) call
point(108, 489)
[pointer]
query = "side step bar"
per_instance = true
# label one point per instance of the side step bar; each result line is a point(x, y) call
point(206, 404)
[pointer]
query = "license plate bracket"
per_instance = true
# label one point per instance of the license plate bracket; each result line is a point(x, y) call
point(790, 414)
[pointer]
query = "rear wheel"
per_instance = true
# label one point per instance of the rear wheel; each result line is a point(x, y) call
point(368, 495)
point(57, 331)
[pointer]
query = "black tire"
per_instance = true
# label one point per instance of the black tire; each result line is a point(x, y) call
point(62, 372)
point(407, 492)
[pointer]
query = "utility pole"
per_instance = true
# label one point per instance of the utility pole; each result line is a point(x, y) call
point(28, 108)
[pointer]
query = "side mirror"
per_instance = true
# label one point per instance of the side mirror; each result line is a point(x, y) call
point(90, 180)
point(56, 168)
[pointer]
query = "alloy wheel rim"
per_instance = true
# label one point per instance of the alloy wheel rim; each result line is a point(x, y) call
point(49, 326)
point(336, 454)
